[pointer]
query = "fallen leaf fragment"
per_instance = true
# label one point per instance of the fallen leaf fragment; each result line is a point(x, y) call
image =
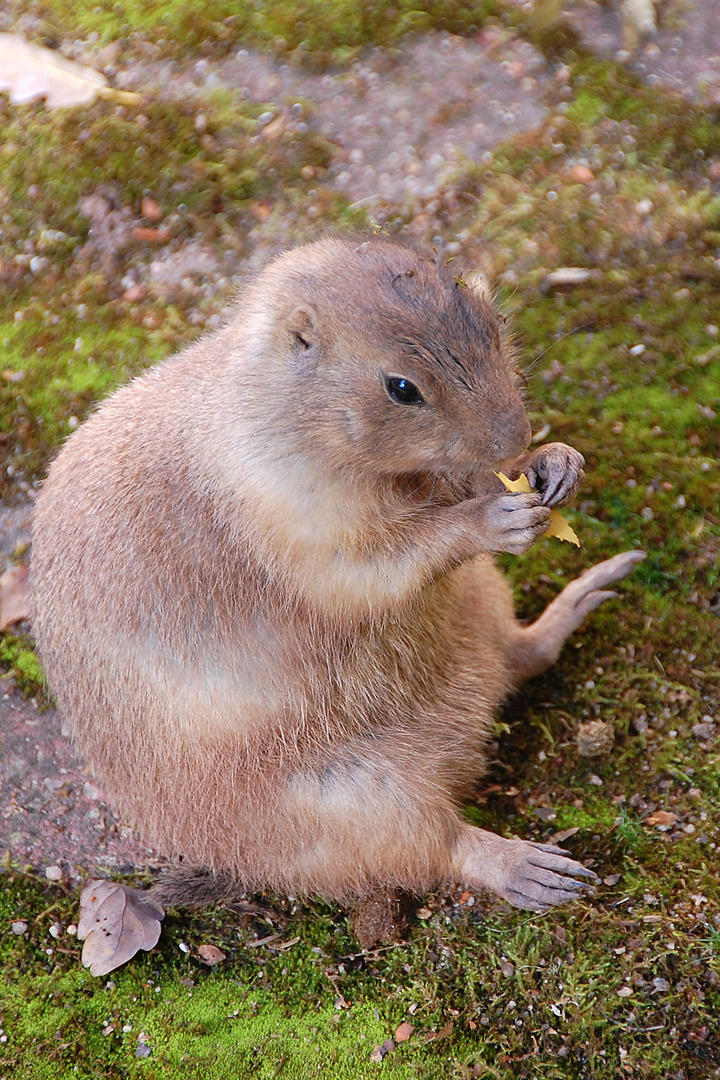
point(14, 596)
point(210, 955)
point(150, 209)
point(261, 941)
point(154, 236)
point(288, 944)
point(663, 818)
point(30, 71)
point(558, 526)
point(403, 1033)
point(564, 834)
point(380, 1051)
point(423, 913)
point(115, 923)
point(441, 1034)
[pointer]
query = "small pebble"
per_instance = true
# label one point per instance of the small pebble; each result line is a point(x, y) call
point(637, 350)
point(567, 276)
point(582, 174)
point(594, 738)
point(53, 873)
point(705, 730)
point(19, 927)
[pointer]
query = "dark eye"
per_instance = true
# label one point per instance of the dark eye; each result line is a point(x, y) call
point(403, 391)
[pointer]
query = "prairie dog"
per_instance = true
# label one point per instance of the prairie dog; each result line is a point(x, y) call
point(265, 594)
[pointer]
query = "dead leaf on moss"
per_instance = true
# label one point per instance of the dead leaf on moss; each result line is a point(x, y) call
point(663, 818)
point(210, 955)
point(564, 834)
point(559, 526)
point(115, 923)
point(443, 1033)
point(14, 596)
point(380, 1051)
point(30, 71)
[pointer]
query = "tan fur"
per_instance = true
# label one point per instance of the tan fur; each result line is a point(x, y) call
point(263, 591)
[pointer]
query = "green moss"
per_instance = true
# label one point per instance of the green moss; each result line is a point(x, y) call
point(323, 31)
point(152, 148)
point(489, 988)
point(19, 660)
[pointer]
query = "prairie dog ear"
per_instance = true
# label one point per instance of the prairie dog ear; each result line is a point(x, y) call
point(303, 327)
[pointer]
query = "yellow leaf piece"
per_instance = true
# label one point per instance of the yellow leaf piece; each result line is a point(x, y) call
point(521, 484)
point(559, 526)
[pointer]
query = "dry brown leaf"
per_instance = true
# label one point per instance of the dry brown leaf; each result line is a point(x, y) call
point(30, 71)
point(14, 596)
point(115, 923)
point(662, 817)
point(153, 236)
point(558, 526)
point(210, 955)
point(150, 209)
point(261, 941)
point(564, 834)
point(441, 1034)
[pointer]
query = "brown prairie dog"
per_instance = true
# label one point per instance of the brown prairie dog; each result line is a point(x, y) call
point(264, 586)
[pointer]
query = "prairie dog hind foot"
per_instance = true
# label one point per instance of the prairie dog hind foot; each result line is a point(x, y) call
point(538, 646)
point(527, 874)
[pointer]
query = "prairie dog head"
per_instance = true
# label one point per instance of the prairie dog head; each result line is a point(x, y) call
point(382, 363)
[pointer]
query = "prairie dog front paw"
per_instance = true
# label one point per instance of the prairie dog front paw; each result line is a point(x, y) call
point(514, 520)
point(556, 471)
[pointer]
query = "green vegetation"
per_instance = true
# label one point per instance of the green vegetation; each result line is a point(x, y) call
point(315, 31)
point(627, 370)
point(482, 991)
point(19, 660)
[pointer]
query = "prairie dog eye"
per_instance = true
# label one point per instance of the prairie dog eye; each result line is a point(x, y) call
point(403, 391)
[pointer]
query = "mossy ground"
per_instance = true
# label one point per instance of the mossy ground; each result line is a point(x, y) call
point(527, 996)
